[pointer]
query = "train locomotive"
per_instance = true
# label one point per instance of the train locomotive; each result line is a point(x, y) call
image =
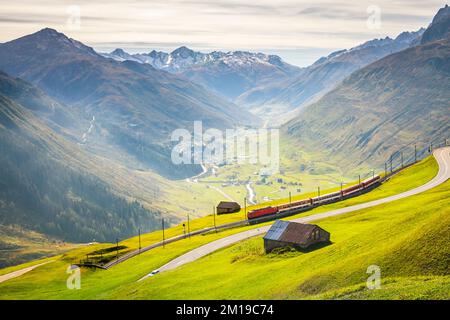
point(273, 212)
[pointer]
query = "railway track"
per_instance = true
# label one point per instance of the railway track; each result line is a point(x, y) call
point(442, 156)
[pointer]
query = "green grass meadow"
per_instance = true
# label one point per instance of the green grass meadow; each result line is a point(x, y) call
point(408, 239)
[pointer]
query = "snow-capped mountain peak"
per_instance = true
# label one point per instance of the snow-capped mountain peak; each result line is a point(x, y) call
point(183, 58)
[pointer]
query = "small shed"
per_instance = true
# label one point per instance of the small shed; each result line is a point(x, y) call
point(292, 234)
point(228, 207)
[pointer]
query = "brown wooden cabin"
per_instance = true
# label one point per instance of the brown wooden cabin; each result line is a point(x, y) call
point(228, 207)
point(292, 234)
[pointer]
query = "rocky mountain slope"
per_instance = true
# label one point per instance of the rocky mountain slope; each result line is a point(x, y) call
point(398, 100)
point(283, 101)
point(229, 74)
point(135, 107)
point(47, 184)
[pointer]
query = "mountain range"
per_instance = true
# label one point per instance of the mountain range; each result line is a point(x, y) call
point(50, 184)
point(228, 74)
point(265, 84)
point(281, 101)
point(399, 100)
point(78, 127)
point(135, 106)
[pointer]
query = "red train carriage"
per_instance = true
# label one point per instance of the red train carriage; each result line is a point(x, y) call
point(262, 212)
point(326, 198)
point(294, 204)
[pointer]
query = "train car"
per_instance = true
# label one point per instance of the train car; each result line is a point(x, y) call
point(371, 181)
point(295, 205)
point(262, 212)
point(363, 185)
point(328, 197)
point(350, 190)
point(301, 205)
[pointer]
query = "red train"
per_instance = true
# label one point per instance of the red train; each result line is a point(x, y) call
point(301, 205)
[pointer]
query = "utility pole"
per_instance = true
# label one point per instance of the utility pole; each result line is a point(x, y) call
point(117, 248)
point(189, 227)
point(318, 191)
point(245, 208)
point(415, 153)
point(359, 179)
point(290, 199)
point(401, 153)
point(341, 189)
point(373, 173)
point(391, 162)
point(163, 233)
point(184, 230)
point(139, 240)
point(214, 215)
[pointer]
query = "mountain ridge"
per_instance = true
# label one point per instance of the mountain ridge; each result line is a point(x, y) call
point(393, 102)
point(136, 107)
point(44, 185)
point(228, 74)
point(322, 76)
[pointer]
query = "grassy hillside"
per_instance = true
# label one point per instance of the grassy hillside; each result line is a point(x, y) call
point(41, 191)
point(397, 101)
point(49, 183)
point(407, 239)
point(118, 282)
point(19, 245)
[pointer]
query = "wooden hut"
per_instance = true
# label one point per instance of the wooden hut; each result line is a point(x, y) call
point(292, 234)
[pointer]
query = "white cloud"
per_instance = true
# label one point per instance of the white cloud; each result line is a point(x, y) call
point(286, 26)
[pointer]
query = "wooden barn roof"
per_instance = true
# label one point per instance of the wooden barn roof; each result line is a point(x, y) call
point(228, 204)
point(291, 232)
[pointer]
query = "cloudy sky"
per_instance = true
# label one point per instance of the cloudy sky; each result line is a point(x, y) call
point(299, 31)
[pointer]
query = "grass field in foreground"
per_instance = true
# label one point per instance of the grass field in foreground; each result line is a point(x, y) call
point(49, 281)
point(408, 179)
point(408, 239)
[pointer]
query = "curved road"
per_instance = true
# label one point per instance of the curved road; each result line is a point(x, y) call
point(442, 157)
point(20, 272)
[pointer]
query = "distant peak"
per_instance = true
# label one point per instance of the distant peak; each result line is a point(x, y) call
point(118, 51)
point(439, 27)
point(49, 32)
point(409, 35)
point(183, 48)
point(54, 41)
point(182, 51)
point(442, 14)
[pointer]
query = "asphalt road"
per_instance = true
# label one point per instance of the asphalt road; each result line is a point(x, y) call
point(20, 272)
point(442, 156)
